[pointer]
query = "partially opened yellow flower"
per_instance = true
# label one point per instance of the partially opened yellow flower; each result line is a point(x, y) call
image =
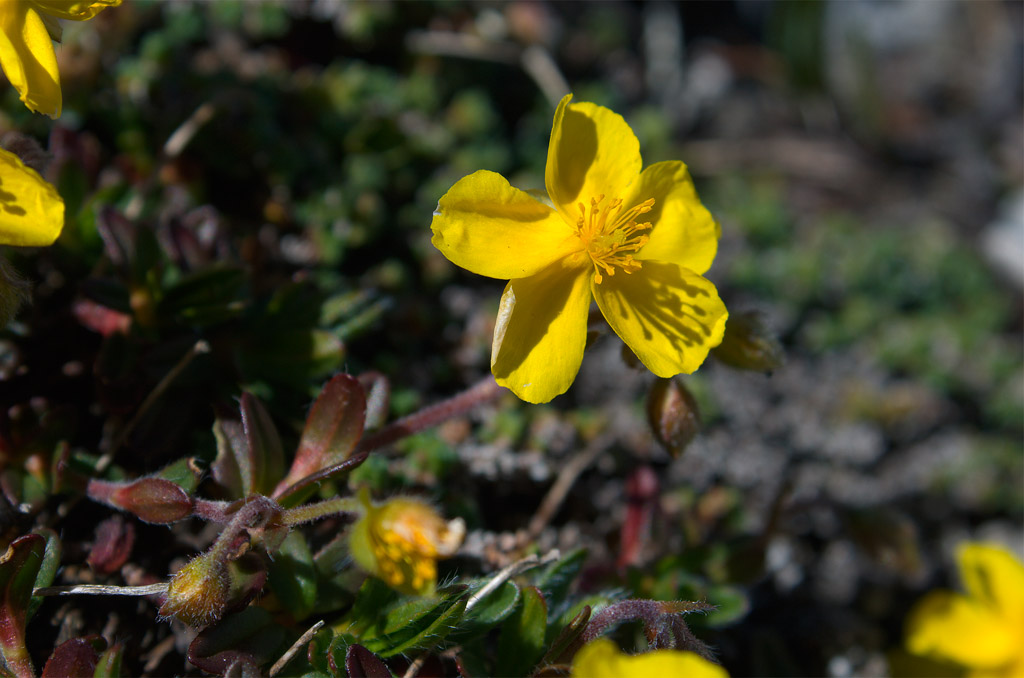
point(637, 242)
point(982, 629)
point(401, 541)
point(31, 211)
point(602, 658)
point(27, 31)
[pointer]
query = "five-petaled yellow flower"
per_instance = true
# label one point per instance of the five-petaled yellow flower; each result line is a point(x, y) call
point(401, 540)
point(31, 211)
point(637, 242)
point(982, 630)
point(602, 658)
point(27, 31)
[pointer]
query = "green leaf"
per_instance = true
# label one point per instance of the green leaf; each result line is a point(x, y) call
point(372, 599)
point(205, 297)
point(289, 356)
point(491, 610)
point(293, 576)
point(521, 642)
point(430, 636)
point(109, 664)
point(415, 622)
point(184, 473)
point(47, 569)
point(317, 651)
point(568, 640)
point(555, 580)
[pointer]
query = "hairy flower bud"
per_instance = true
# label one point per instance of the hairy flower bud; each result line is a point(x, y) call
point(198, 592)
point(401, 540)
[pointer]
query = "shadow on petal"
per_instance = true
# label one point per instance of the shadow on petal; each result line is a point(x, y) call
point(669, 316)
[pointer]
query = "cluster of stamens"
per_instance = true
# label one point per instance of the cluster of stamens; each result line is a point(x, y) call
point(612, 239)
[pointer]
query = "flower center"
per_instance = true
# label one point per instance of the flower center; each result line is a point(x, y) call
point(612, 235)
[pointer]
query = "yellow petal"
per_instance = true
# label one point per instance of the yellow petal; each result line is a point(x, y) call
point(541, 331)
point(76, 10)
point(993, 577)
point(601, 658)
point(490, 228)
point(26, 54)
point(592, 152)
point(947, 625)
point(31, 211)
point(683, 232)
point(668, 315)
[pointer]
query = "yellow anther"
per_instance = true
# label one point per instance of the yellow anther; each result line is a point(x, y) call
point(612, 239)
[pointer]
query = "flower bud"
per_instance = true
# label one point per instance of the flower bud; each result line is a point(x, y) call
point(749, 345)
point(673, 415)
point(401, 540)
point(198, 592)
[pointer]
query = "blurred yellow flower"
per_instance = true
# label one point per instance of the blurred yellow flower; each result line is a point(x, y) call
point(637, 242)
point(401, 540)
point(27, 31)
point(31, 211)
point(982, 630)
point(602, 658)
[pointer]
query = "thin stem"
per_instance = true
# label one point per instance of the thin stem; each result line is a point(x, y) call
point(484, 391)
point(563, 483)
point(214, 511)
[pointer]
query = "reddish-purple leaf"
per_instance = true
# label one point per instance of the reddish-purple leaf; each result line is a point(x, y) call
point(100, 319)
point(154, 500)
point(75, 658)
point(361, 663)
point(250, 634)
point(294, 495)
point(263, 445)
point(227, 467)
point(113, 545)
point(18, 569)
point(333, 428)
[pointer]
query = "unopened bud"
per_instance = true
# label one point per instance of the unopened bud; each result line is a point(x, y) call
point(198, 592)
point(154, 500)
point(749, 345)
point(673, 415)
point(401, 541)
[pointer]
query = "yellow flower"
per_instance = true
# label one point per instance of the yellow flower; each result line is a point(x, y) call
point(982, 630)
point(31, 211)
point(601, 658)
point(27, 31)
point(637, 242)
point(401, 540)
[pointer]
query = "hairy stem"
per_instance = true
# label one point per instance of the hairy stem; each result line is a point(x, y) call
point(482, 392)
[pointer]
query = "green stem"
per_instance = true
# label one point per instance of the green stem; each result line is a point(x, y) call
point(311, 512)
